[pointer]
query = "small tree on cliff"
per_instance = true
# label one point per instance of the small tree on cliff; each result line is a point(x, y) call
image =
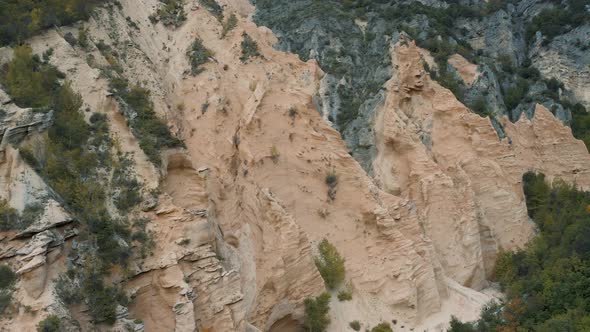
point(330, 264)
point(316, 313)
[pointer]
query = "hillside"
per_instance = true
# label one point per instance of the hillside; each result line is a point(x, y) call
point(176, 166)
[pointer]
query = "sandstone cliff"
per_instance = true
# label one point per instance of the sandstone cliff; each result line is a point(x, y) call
point(235, 215)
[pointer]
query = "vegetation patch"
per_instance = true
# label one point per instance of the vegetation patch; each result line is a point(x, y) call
point(214, 8)
point(229, 25)
point(249, 48)
point(125, 185)
point(51, 323)
point(547, 284)
point(198, 55)
point(20, 20)
point(355, 325)
point(73, 157)
point(558, 20)
point(316, 313)
point(10, 219)
point(382, 327)
point(330, 264)
point(30, 82)
point(7, 280)
point(171, 13)
point(8, 216)
point(153, 134)
point(345, 295)
point(332, 183)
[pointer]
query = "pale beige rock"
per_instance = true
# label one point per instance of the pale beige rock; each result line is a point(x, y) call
point(467, 70)
point(249, 194)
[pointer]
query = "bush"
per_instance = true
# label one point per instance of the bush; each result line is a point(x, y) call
point(31, 213)
point(345, 295)
point(51, 323)
point(581, 123)
point(67, 159)
point(479, 106)
point(144, 237)
point(67, 289)
point(506, 63)
point(29, 82)
point(69, 37)
point(249, 48)
point(515, 94)
point(213, 7)
point(332, 183)
point(153, 134)
point(383, 327)
point(20, 20)
point(7, 277)
point(458, 326)
point(8, 216)
point(126, 185)
point(556, 21)
point(229, 25)
point(171, 13)
point(82, 37)
point(5, 299)
point(355, 325)
point(102, 300)
point(316, 313)
point(198, 55)
point(330, 264)
point(547, 283)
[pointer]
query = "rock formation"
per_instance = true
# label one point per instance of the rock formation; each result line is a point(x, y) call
point(420, 216)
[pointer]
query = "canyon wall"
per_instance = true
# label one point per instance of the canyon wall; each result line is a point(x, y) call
point(236, 215)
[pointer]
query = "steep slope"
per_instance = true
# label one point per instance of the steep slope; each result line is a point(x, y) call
point(234, 216)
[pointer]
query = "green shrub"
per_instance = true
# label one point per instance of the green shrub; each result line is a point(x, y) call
point(69, 128)
point(29, 82)
point(546, 283)
point(68, 160)
point(171, 13)
point(330, 264)
point(126, 185)
point(31, 213)
point(479, 106)
point(7, 277)
point(214, 8)
point(82, 37)
point(153, 134)
point(580, 123)
point(229, 25)
point(20, 20)
point(332, 183)
point(102, 299)
point(144, 237)
point(382, 327)
point(51, 323)
point(316, 313)
point(7, 280)
point(556, 21)
point(355, 325)
point(5, 299)
point(506, 63)
point(69, 37)
point(249, 48)
point(345, 295)
point(68, 290)
point(8, 216)
point(515, 94)
point(198, 55)
point(100, 140)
